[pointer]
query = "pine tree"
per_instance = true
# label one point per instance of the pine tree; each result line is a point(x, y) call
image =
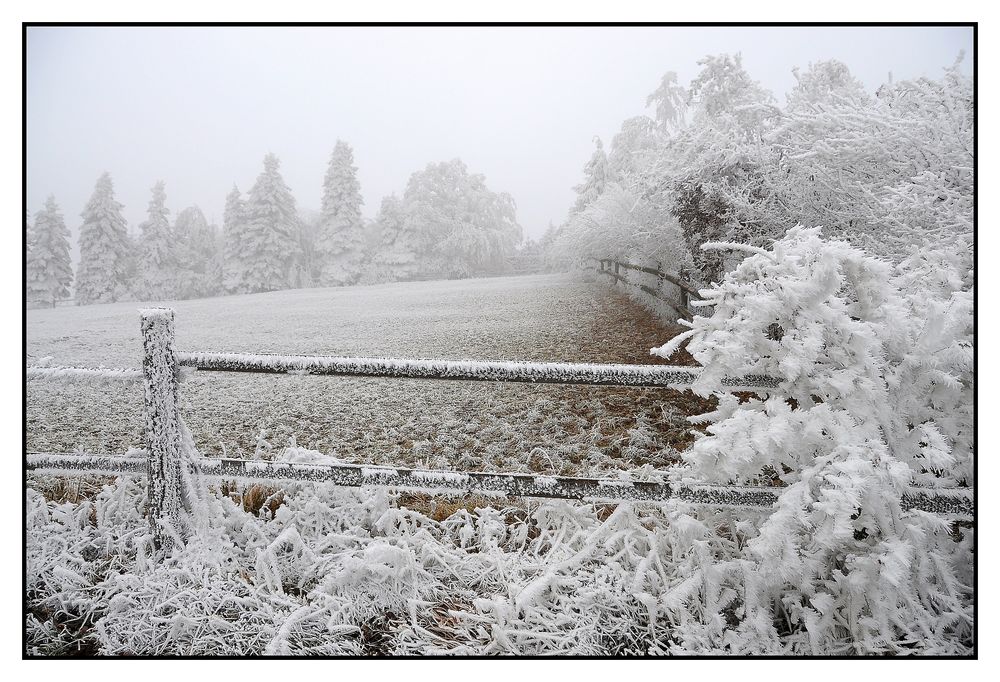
point(103, 274)
point(49, 273)
point(307, 269)
point(157, 276)
point(670, 100)
point(199, 274)
point(395, 256)
point(271, 233)
point(234, 251)
point(340, 242)
point(597, 176)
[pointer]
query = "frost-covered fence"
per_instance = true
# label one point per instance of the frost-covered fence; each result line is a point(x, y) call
point(679, 301)
point(636, 376)
point(952, 503)
point(163, 429)
point(169, 469)
point(83, 373)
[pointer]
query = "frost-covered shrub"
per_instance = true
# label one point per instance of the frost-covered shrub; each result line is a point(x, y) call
point(875, 395)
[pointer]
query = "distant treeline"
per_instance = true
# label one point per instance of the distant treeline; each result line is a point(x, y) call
point(447, 224)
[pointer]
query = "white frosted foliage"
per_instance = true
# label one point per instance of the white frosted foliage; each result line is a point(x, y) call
point(874, 371)
point(48, 273)
point(340, 243)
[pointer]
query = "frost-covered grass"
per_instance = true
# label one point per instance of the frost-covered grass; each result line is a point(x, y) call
point(318, 569)
point(344, 571)
point(406, 422)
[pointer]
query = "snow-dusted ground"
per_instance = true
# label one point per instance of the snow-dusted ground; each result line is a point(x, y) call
point(319, 569)
point(423, 423)
point(310, 568)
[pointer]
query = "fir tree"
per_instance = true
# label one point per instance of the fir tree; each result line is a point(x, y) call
point(271, 234)
point(597, 175)
point(200, 273)
point(307, 269)
point(157, 276)
point(395, 256)
point(340, 242)
point(103, 274)
point(49, 273)
point(234, 252)
point(670, 100)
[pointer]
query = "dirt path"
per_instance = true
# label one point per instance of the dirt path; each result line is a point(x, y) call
point(502, 427)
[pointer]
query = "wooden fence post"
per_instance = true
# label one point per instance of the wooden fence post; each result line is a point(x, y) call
point(163, 434)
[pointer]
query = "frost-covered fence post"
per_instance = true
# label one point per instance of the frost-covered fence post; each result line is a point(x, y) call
point(163, 434)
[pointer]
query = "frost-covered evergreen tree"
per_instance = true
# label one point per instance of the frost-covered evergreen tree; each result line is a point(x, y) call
point(597, 176)
point(200, 272)
point(670, 101)
point(234, 245)
point(157, 263)
point(307, 268)
point(394, 258)
point(271, 232)
point(340, 238)
point(103, 273)
point(49, 272)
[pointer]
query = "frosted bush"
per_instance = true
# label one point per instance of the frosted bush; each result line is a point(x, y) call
point(875, 364)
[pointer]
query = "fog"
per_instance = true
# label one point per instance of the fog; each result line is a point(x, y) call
point(200, 107)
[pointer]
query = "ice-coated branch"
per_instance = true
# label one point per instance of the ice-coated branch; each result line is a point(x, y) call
point(949, 502)
point(736, 246)
point(664, 376)
point(82, 373)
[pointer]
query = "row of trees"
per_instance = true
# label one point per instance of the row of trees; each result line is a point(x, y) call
point(720, 160)
point(447, 224)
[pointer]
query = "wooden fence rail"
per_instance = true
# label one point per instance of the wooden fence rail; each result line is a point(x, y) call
point(164, 467)
point(635, 376)
point(953, 503)
point(688, 293)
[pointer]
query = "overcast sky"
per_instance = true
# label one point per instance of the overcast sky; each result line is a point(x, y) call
point(199, 107)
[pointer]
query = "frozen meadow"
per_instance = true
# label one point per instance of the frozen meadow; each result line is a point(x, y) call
point(403, 422)
point(316, 569)
point(319, 569)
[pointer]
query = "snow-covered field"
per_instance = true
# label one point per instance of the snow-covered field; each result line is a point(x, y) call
point(317, 569)
point(497, 427)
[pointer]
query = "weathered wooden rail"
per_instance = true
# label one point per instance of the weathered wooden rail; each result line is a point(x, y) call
point(164, 462)
point(948, 502)
point(581, 374)
point(618, 269)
